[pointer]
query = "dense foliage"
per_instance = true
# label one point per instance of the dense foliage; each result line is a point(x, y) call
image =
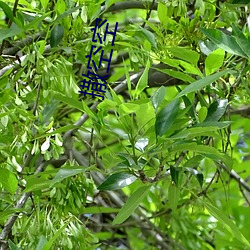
point(161, 163)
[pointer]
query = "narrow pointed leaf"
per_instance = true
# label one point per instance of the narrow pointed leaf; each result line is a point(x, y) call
point(132, 203)
point(229, 224)
point(173, 196)
point(198, 85)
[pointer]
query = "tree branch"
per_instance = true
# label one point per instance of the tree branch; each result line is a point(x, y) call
point(20, 203)
point(236, 177)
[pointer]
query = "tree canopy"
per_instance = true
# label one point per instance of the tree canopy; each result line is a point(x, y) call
point(160, 159)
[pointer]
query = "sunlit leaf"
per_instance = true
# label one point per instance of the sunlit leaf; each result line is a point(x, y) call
point(185, 54)
point(117, 181)
point(214, 61)
point(8, 180)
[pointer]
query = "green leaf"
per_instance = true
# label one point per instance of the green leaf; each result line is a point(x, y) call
point(166, 117)
point(68, 12)
point(56, 131)
point(9, 32)
point(34, 184)
point(144, 34)
point(244, 45)
point(186, 54)
point(128, 108)
point(174, 172)
point(197, 85)
point(198, 175)
point(41, 243)
point(223, 41)
point(70, 101)
point(216, 110)
point(219, 125)
point(44, 3)
point(49, 244)
point(202, 114)
point(161, 11)
point(98, 210)
point(117, 181)
point(13, 246)
point(9, 211)
point(66, 172)
point(158, 97)
point(56, 35)
point(227, 223)
point(193, 132)
point(143, 81)
point(132, 203)
point(49, 110)
point(194, 161)
point(8, 180)
point(7, 10)
point(177, 74)
point(204, 150)
point(214, 61)
point(173, 196)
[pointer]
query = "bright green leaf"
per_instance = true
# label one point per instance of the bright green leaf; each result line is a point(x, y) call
point(186, 54)
point(162, 11)
point(128, 108)
point(8, 180)
point(202, 113)
point(214, 61)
